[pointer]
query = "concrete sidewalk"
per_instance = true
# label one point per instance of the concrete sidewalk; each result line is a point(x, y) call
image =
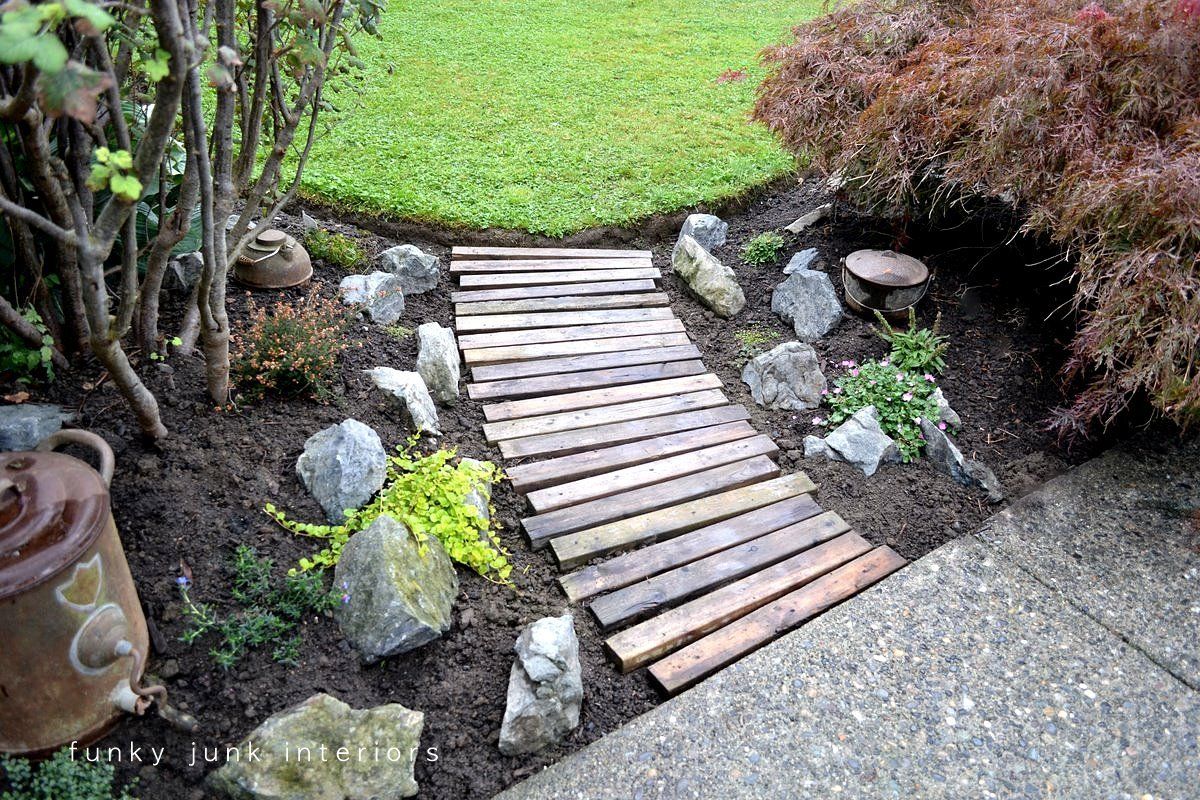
point(1054, 654)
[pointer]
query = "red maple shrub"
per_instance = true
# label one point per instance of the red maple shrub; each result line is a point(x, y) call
point(1085, 117)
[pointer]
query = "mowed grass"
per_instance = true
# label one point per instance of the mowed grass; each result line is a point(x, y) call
point(552, 116)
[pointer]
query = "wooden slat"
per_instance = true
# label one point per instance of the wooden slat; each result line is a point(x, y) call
point(569, 333)
point(528, 292)
point(619, 433)
point(552, 319)
point(609, 483)
point(685, 667)
point(545, 527)
point(576, 548)
point(508, 279)
point(572, 420)
point(557, 384)
point(531, 366)
point(553, 471)
point(530, 353)
point(463, 251)
point(583, 303)
point(625, 570)
point(673, 587)
point(592, 398)
point(643, 643)
point(535, 265)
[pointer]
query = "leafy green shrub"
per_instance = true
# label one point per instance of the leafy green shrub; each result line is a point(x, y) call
point(763, 249)
point(27, 364)
point(429, 495)
point(61, 777)
point(293, 350)
point(901, 399)
point(335, 248)
point(268, 615)
point(1082, 117)
point(916, 349)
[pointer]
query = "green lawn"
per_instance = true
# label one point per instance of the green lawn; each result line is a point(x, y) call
point(553, 116)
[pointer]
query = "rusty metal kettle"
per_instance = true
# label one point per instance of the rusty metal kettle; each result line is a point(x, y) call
point(273, 260)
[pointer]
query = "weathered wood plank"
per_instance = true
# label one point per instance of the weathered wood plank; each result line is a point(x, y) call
point(643, 643)
point(604, 415)
point(636, 351)
point(582, 303)
point(592, 398)
point(574, 381)
point(545, 527)
point(619, 432)
point(700, 659)
point(670, 588)
point(509, 279)
point(664, 469)
point(576, 548)
point(528, 292)
point(553, 471)
point(490, 356)
point(553, 319)
point(569, 333)
point(629, 568)
point(535, 265)
point(465, 251)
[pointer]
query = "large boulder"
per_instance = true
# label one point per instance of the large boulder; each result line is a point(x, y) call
point(417, 270)
point(711, 281)
point(380, 295)
point(323, 749)
point(23, 426)
point(545, 687)
point(808, 302)
point(786, 377)
point(343, 467)
point(945, 457)
point(408, 392)
point(709, 231)
point(400, 592)
point(859, 441)
point(438, 362)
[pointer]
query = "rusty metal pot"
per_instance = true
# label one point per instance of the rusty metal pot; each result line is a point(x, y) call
point(884, 281)
point(74, 637)
point(273, 260)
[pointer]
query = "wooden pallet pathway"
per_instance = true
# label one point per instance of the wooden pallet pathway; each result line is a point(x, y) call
point(663, 504)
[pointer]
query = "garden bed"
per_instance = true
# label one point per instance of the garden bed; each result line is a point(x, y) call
point(199, 494)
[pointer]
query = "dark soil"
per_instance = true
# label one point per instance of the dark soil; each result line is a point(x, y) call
point(200, 493)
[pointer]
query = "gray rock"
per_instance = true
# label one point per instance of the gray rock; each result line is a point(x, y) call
point(183, 272)
point(271, 766)
point(808, 302)
point(811, 218)
point(709, 231)
point(23, 426)
point(408, 391)
point(401, 592)
point(859, 441)
point(380, 294)
point(787, 377)
point(946, 414)
point(232, 220)
point(343, 467)
point(711, 281)
point(438, 362)
point(947, 458)
point(307, 222)
point(418, 271)
point(545, 687)
point(804, 260)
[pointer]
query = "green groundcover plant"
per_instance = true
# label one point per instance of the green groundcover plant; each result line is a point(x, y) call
point(901, 399)
point(60, 778)
point(763, 249)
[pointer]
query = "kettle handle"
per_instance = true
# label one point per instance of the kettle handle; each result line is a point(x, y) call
point(97, 443)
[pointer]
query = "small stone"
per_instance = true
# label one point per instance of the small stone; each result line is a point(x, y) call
point(481, 495)
point(401, 592)
point(438, 361)
point(231, 221)
point(307, 222)
point(23, 426)
point(709, 231)
point(859, 441)
point(808, 302)
point(545, 687)
point(417, 270)
point(786, 377)
point(381, 295)
point(341, 745)
point(708, 279)
point(947, 458)
point(946, 414)
point(168, 669)
point(343, 467)
point(408, 391)
point(802, 261)
point(805, 222)
point(183, 272)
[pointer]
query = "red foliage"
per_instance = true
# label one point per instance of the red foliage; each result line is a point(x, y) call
point(1086, 117)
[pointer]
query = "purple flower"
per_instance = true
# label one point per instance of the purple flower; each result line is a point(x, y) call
point(906, 396)
point(941, 426)
point(183, 582)
point(345, 599)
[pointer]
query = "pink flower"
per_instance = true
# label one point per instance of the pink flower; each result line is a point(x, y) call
point(837, 390)
point(818, 421)
point(899, 377)
point(929, 377)
point(906, 396)
point(873, 383)
point(845, 363)
point(884, 363)
point(854, 373)
point(824, 391)
point(941, 426)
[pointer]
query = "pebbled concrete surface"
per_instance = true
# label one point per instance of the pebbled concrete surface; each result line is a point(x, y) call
point(1033, 661)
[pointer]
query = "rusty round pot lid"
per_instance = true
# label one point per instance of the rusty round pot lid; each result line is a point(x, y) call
point(887, 268)
point(52, 509)
point(268, 239)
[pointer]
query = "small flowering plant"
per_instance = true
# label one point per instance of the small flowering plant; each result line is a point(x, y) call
point(901, 400)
